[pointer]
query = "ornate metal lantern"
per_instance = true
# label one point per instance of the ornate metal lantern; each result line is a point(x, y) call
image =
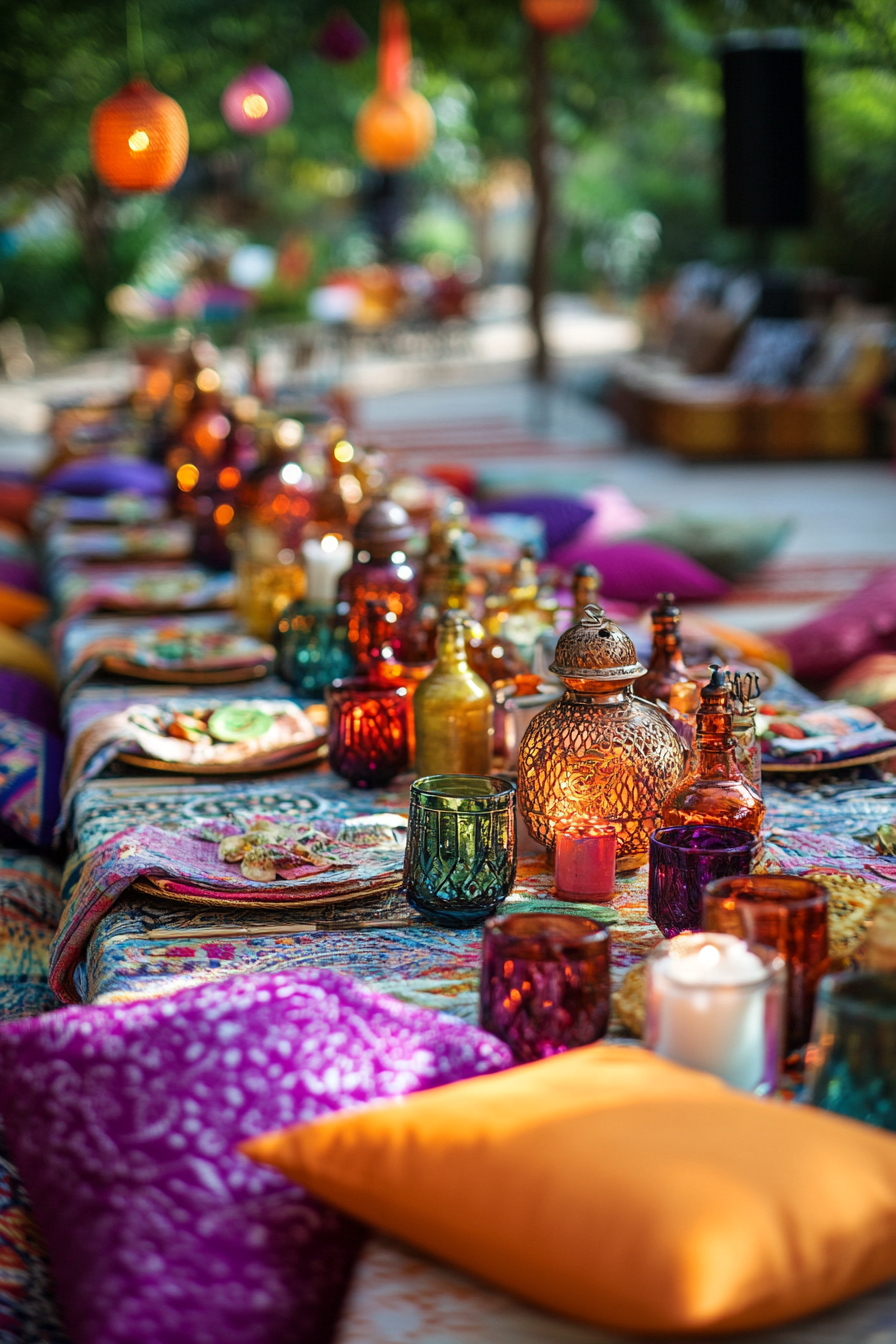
point(598, 752)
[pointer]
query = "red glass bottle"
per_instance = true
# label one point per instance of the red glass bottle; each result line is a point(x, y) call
point(713, 790)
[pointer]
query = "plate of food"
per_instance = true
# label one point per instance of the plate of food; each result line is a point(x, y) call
point(238, 737)
point(830, 736)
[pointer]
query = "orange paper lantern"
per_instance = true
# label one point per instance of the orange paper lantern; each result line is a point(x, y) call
point(395, 128)
point(558, 16)
point(139, 139)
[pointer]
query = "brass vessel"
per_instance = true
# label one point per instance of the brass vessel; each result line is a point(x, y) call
point(598, 752)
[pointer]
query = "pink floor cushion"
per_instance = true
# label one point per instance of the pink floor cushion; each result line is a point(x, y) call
point(635, 571)
point(124, 1119)
point(861, 624)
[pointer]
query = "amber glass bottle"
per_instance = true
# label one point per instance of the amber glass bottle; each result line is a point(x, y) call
point(453, 711)
point(585, 590)
point(666, 667)
point(714, 791)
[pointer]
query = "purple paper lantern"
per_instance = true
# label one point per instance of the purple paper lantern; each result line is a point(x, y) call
point(257, 101)
point(341, 39)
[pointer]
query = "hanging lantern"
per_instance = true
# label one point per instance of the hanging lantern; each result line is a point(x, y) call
point(558, 16)
point(139, 139)
point(395, 127)
point(256, 102)
point(341, 40)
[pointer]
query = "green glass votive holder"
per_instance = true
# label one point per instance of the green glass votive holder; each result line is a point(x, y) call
point(460, 860)
point(851, 1059)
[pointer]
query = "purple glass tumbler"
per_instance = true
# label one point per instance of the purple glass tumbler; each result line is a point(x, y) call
point(682, 860)
point(545, 984)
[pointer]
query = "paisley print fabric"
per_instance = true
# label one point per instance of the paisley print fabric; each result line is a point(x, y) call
point(123, 1122)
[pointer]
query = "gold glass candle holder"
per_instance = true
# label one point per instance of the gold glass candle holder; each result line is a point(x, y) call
point(269, 577)
point(598, 751)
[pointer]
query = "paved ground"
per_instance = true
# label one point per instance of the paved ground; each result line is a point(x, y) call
point(841, 510)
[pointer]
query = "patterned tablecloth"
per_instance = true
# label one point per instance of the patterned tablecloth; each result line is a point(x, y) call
point(422, 963)
point(397, 1296)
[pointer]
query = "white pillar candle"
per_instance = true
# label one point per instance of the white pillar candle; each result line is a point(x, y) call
point(325, 561)
point(707, 1007)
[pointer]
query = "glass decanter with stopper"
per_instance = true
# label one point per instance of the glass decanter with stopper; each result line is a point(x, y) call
point(666, 669)
point(585, 590)
point(598, 753)
point(524, 614)
point(380, 572)
point(453, 710)
point(714, 790)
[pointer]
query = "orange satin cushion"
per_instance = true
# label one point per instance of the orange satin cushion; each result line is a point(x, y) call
point(617, 1188)
point(18, 608)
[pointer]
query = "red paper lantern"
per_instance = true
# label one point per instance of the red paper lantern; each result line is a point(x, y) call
point(257, 101)
point(139, 139)
point(558, 16)
point(395, 128)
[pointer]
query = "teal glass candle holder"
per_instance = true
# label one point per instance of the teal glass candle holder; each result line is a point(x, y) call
point(851, 1059)
point(313, 647)
point(460, 860)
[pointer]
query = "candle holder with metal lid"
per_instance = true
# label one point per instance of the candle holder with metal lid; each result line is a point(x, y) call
point(598, 751)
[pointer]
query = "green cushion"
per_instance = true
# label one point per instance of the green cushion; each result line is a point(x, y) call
point(730, 547)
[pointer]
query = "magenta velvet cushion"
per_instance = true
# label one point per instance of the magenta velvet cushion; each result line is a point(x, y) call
point(635, 571)
point(124, 1119)
point(863, 623)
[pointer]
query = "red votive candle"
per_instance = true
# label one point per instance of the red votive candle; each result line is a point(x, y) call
point(584, 861)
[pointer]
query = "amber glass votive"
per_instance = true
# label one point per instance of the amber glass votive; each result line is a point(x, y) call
point(368, 739)
point(682, 860)
point(789, 914)
point(545, 984)
point(584, 861)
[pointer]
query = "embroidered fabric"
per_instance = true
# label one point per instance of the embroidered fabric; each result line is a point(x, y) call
point(123, 1121)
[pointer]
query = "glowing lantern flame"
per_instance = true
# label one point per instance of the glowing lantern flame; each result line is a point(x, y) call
point(257, 101)
point(255, 106)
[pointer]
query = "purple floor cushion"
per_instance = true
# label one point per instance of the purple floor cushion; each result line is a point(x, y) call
point(635, 571)
point(106, 475)
point(123, 1121)
point(21, 574)
point(562, 517)
point(27, 698)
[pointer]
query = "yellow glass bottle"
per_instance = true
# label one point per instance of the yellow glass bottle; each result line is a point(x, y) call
point(453, 711)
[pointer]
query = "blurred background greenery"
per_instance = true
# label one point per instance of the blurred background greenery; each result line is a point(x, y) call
point(635, 107)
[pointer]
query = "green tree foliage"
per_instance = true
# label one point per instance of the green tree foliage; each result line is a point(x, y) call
point(635, 105)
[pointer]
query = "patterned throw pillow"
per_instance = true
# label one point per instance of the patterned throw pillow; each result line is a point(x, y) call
point(30, 773)
point(124, 1119)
